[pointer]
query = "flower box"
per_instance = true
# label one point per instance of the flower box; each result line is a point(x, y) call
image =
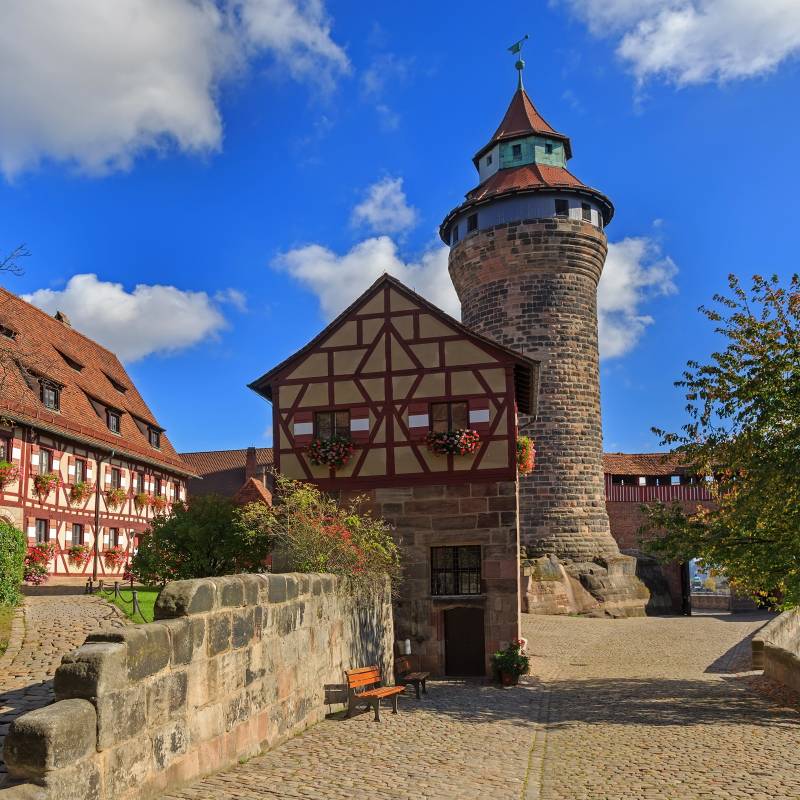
point(8, 473)
point(115, 498)
point(114, 558)
point(36, 560)
point(141, 500)
point(44, 484)
point(334, 452)
point(79, 555)
point(526, 455)
point(158, 503)
point(80, 491)
point(461, 442)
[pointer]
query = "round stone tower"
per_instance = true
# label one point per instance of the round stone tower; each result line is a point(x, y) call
point(527, 250)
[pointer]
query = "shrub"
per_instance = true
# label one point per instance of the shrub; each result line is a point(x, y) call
point(12, 562)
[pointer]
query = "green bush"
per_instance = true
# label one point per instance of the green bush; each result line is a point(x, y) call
point(12, 557)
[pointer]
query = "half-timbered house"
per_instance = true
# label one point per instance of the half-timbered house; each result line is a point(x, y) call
point(392, 377)
point(84, 465)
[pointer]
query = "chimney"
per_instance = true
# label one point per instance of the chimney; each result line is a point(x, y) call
point(63, 318)
point(250, 467)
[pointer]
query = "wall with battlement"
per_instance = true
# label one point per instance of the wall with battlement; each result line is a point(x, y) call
point(232, 666)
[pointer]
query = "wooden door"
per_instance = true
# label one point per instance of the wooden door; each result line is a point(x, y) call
point(463, 642)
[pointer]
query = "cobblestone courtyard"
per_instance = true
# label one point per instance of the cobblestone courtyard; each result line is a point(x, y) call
point(50, 626)
point(633, 709)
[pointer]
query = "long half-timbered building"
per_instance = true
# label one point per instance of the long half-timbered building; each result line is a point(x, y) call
point(384, 376)
point(83, 461)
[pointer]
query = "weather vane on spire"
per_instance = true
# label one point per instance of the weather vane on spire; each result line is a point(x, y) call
point(520, 65)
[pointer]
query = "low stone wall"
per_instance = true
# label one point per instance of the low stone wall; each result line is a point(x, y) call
point(776, 649)
point(232, 666)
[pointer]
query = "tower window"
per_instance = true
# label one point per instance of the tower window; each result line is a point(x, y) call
point(472, 223)
point(516, 151)
point(454, 235)
point(562, 208)
point(548, 148)
point(488, 159)
point(586, 211)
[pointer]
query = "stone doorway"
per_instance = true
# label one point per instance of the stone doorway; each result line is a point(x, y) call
point(464, 649)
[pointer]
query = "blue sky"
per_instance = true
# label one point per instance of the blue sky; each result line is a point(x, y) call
point(251, 165)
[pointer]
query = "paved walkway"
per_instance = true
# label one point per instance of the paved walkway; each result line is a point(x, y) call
point(617, 710)
point(51, 626)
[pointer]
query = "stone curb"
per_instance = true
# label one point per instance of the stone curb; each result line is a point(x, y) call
point(534, 775)
point(16, 637)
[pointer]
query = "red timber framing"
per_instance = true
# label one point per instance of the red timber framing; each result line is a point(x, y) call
point(386, 360)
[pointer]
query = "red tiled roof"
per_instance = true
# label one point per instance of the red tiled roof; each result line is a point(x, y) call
point(643, 463)
point(253, 492)
point(208, 462)
point(528, 176)
point(41, 345)
point(522, 119)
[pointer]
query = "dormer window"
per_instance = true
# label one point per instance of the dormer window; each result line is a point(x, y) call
point(71, 362)
point(7, 332)
point(154, 437)
point(120, 387)
point(516, 151)
point(50, 395)
point(113, 421)
point(548, 148)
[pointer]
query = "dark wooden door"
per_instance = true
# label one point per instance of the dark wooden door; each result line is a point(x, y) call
point(463, 642)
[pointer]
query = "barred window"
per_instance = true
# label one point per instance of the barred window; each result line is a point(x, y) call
point(456, 570)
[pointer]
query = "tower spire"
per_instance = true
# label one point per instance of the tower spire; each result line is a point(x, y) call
point(520, 64)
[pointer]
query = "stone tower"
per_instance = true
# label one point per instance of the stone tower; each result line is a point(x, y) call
point(527, 250)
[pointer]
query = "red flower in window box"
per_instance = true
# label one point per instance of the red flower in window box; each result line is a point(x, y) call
point(36, 561)
point(78, 492)
point(159, 503)
point(78, 555)
point(141, 500)
point(114, 558)
point(458, 443)
point(333, 452)
point(526, 455)
point(44, 484)
point(8, 473)
point(115, 498)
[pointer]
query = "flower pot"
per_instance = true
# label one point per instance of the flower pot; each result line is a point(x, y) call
point(509, 678)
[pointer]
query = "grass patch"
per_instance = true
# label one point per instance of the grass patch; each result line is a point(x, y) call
point(6, 615)
point(147, 599)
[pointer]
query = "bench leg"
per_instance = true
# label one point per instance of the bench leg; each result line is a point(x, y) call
point(416, 688)
point(424, 690)
point(377, 705)
point(394, 704)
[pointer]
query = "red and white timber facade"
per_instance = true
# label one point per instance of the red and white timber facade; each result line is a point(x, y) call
point(86, 463)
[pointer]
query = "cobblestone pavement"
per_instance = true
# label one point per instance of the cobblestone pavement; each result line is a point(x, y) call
point(615, 710)
point(53, 625)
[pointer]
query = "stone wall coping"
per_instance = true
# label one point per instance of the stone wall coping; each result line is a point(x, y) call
point(781, 633)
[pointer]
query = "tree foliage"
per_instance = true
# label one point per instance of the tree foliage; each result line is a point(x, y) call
point(743, 430)
point(12, 558)
point(206, 537)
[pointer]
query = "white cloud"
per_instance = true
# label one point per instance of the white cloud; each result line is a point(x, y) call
point(150, 319)
point(232, 297)
point(337, 280)
point(94, 83)
point(385, 208)
point(635, 271)
point(696, 41)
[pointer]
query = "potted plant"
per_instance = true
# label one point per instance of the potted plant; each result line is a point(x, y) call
point(526, 455)
point(333, 452)
point(8, 473)
point(141, 500)
point(80, 491)
point(44, 483)
point(512, 662)
point(458, 443)
point(159, 503)
point(115, 497)
point(114, 558)
point(78, 555)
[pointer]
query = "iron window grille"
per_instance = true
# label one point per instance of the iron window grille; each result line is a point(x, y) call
point(456, 570)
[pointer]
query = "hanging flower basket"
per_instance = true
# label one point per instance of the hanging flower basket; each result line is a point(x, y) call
point(78, 555)
point(334, 452)
point(114, 558)
point(141, 500)
point(526, 455)
point(8, 473)
point(458, 443)
point(159, 503)
point(80, 491)
point(44, 484)
point(115, 498)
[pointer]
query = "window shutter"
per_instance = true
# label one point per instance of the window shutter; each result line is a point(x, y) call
point(418, 421)
point(359, 424)
point(303, 428)
point(479, 415)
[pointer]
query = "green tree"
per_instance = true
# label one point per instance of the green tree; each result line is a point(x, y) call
point(208, 536)
point(743, 431)
point(12, 558)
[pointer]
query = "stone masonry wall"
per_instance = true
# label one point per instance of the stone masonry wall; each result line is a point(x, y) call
point(532, 286)
point(481, 513)
point(232, 666)
point(776, 649)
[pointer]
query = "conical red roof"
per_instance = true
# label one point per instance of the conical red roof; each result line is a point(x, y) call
point(522, 119)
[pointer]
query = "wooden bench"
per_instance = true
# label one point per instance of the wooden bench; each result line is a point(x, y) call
point(364, 686)
point(402, 668)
